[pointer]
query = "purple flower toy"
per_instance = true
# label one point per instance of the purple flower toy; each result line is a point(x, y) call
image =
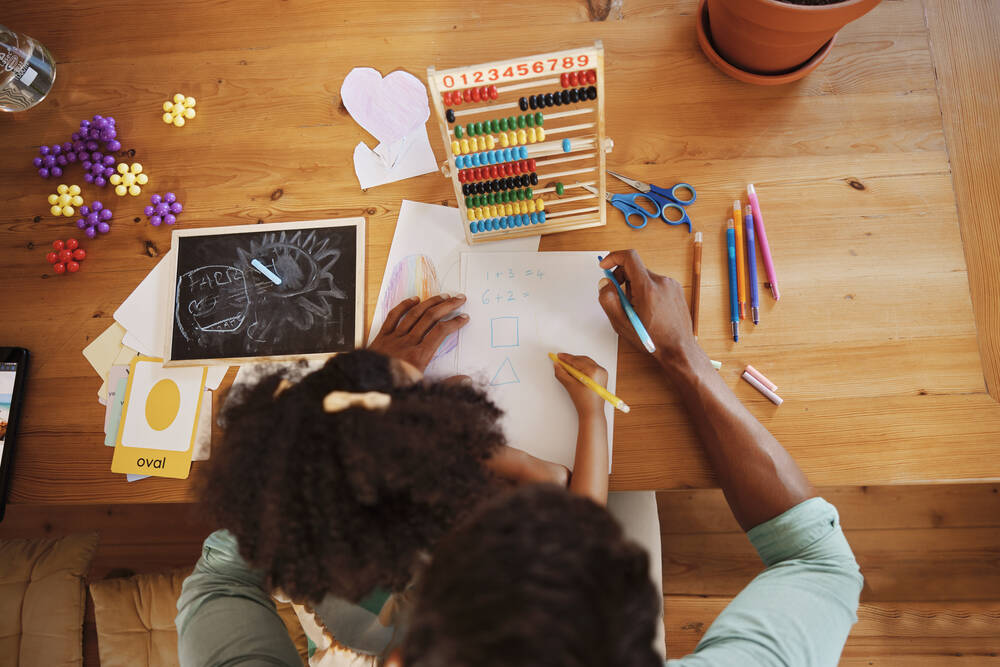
point(163, 209)
point(84, 147)
point(96, 219)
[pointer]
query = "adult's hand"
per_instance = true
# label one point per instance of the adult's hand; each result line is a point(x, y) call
point(414, 329)
point(658, 301)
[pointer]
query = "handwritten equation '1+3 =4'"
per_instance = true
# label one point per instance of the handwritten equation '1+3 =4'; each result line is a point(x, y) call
point(508, 292)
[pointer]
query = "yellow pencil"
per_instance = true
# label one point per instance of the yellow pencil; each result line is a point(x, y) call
point(741, 262)
point(601, 391)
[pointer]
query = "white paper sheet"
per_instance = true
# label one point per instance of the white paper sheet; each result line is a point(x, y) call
point(142, 311)
point(394, 109)
point(411, 156)
point(425, 259)
point(140, 315)
point(523, 306)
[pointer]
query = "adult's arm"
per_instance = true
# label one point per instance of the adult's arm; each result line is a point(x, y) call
point(760, 479)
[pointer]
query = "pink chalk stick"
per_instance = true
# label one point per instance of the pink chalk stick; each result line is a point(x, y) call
point(771, 396)
point(760, 376)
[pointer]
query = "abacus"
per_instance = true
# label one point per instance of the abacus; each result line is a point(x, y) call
point(523, 137)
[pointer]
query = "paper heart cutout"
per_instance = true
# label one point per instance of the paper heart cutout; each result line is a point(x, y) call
point(388, 108)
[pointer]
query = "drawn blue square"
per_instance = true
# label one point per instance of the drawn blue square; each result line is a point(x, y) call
point(503, 332)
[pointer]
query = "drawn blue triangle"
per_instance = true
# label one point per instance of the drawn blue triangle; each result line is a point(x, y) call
point(505, 374)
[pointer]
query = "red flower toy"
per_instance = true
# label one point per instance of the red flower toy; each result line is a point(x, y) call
point(66, 256)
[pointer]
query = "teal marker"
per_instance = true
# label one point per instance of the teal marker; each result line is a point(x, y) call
point(640, 330)
point(268, 273)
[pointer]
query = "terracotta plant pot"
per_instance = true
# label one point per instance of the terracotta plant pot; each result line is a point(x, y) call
point(774, 38)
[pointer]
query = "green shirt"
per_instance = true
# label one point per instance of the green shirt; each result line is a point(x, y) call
point(799, 610)
point(796, 613)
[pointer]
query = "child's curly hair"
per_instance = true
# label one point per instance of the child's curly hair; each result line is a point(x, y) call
point(535, 578)
point(343, 503)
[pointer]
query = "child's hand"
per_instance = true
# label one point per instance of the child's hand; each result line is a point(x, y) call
point(585, 399)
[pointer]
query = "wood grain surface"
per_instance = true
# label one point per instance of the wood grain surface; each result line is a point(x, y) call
point(966, 75)
point(873, 344)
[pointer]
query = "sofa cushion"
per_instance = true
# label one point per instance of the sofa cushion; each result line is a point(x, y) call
point(42, 599)
point(135, 620)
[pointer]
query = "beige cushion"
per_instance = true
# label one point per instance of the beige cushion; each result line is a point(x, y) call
point(42, 600)
point(135, 620)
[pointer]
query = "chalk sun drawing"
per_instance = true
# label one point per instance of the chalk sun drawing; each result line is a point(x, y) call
point(226, 299)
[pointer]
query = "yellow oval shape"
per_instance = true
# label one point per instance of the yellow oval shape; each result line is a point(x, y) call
point(162, 404)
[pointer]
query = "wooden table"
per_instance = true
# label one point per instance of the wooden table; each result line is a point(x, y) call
point(873, 344)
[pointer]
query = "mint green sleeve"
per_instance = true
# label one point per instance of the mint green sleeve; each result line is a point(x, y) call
point(800, 609)
point(224, 615)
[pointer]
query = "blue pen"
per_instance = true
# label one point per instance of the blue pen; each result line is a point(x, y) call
point(734, 308)
point(752, 265)
point(640, 330)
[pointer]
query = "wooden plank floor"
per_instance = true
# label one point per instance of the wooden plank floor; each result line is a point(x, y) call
point(930, 555)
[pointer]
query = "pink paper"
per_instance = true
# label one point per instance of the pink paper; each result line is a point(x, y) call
point(388, 108)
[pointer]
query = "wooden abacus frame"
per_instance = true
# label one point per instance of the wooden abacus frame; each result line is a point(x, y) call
point(524, 76)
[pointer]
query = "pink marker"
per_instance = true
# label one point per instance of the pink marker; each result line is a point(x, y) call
point(765, 249)
point(760, 376)
point(771, 396)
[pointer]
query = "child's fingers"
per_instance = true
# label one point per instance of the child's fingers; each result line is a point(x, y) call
point(441, 330)
point(393, 316)
point(586, 365)
point(436, 314)
point(413, 315)
point(561, 375)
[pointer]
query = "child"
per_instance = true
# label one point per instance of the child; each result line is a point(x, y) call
point(335, 487)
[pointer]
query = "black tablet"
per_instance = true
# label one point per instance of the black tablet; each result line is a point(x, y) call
point(13, 369)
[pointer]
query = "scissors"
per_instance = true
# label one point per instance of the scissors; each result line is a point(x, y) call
point(659, 199)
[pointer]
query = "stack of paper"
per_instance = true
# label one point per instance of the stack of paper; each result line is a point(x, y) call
point(137, 331)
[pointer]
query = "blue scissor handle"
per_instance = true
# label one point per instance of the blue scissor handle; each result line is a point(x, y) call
point(629, 207)
point(684, 219)
point(672, 194)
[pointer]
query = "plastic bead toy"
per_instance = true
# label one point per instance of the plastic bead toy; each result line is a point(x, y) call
point(95, 220)
point(85, 146)
point(178, 111)
point(163, 209)
point(98, 168)
point(128, 179)
point(65, 198)
point(66, 256)
point(97, 129)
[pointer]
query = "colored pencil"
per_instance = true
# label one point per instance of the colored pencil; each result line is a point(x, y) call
point(696, 283)
point(741, 269)
point(765, 248)
point(589, 382)
point(752, 267)
point(734, 308)
point(633, 317)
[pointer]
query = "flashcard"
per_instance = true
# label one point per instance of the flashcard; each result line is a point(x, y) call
point(159, 419)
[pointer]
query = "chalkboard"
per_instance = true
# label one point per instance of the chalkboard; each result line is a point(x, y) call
point(223, 308)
